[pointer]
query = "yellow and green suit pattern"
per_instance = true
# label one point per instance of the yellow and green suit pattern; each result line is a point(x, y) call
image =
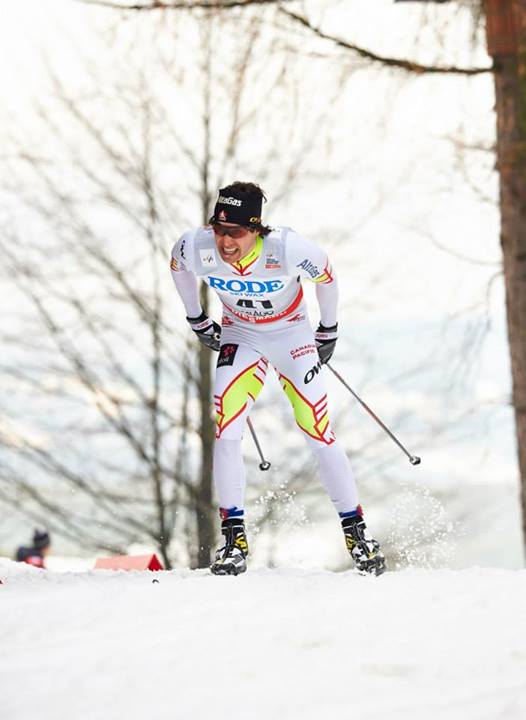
point(245, 387)
point(312, 418)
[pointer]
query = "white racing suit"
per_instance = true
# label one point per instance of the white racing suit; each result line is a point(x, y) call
point(265, 322)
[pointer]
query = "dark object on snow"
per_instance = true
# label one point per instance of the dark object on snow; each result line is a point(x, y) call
point(35, 554)
point(41, 539)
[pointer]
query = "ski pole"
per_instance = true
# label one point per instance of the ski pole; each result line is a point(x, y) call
point(264, 464)
point(413, 459)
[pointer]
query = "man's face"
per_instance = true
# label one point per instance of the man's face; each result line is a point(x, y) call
point(232, 249)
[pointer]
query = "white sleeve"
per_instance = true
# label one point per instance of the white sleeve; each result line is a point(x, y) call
point(183, 253)
point(310, 261)
point(188, 289)
point(183, 275)
point(327, 296)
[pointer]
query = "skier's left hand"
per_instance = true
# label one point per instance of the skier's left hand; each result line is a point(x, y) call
point(325, 338)
point(207, 331)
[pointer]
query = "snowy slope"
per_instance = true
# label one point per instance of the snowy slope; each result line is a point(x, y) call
point(288, 643)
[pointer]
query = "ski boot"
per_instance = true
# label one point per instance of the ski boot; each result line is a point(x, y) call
point(363, 548)
point(231, 558)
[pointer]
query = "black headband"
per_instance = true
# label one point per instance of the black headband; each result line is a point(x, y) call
point(236, 208)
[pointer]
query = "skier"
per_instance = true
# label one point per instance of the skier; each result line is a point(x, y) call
point(257, 271)
point(35, 554)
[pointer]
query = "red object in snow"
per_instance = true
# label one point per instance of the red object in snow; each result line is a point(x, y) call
point(129, 562)
point(35, 561)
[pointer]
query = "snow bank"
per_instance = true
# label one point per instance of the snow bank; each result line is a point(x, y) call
point(271, 644)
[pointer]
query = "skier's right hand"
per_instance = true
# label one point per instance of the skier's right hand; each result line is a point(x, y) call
point(325, 338)
point(207, 331)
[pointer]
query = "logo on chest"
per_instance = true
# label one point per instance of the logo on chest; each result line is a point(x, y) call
point(208, 258)
point(272, 262)
point(245, 287)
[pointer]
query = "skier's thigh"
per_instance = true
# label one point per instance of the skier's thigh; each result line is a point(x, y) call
point(297, 363)
point(294, 356)
point(240, 375)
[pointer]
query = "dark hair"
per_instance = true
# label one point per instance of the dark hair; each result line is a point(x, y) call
point(249, 189)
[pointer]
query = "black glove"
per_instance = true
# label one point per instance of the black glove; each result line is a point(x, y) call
point(208, 331)
point(325, 338)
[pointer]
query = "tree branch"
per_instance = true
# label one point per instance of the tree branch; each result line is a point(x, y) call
point(183, 4)
point(398, 63)
point(407, 65)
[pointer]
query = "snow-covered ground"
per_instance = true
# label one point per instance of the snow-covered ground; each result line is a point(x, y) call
point(286, 643)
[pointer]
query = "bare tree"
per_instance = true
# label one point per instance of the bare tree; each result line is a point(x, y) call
point(84, 308)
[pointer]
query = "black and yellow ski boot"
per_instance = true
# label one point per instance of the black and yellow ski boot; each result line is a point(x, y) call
point(231, 559)
point(363, 548)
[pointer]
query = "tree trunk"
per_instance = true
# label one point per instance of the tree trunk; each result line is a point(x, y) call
point(205, 525)
point(506, 32)
point(205, 528)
